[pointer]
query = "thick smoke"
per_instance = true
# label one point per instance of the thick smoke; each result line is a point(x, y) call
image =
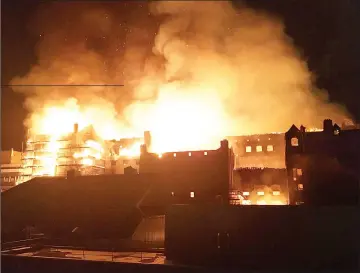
point(238, 61)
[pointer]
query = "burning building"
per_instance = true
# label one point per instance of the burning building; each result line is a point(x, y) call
point(82, 152)
point(46, 155)
point(182, 79)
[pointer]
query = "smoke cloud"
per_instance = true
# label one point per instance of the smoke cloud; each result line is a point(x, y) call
point(237, 63)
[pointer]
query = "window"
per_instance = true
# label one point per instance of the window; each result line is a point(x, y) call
point(246, 193)
point(172, 193)
point(174, 154)
point(300, 187)
point(205, 153)
point(189, 154)
point(299, 172)
point(192, 194)
point(295, 142)
point(160, 155)
point(294, 171)
point(259, 149)
point(336, 132)
point(248, 149)
point(270, 148)
point(261, 193)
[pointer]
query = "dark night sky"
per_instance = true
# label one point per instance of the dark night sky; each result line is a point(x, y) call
point(325, 31)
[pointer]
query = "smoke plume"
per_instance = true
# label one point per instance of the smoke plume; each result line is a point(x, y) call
point(203, 66)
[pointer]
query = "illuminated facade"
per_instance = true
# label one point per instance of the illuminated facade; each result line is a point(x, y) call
point(11, 169)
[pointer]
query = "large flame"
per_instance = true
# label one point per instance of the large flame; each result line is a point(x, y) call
point(192, 74)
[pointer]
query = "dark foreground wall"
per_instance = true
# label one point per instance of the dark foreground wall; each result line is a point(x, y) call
point(95, 206)
point(269, 237)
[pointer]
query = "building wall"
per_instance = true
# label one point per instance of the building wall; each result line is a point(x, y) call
point(259, 151)
point(193, 176)
point(264, 186)
point(10, 157)
point(11, 169)
point(323, 166)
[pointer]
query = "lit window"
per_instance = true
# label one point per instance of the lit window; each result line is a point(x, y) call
point(246, 193)
point(276, 193)
point(260, 193)
point(189, 154)
point(175, 155)
point(172, 193)
point(300, 187)
point(294, 170)
point(336, 132)
point(192, 194)
point(248, 149)
point(270, 148)
point(160, 155)
point(294, 141)
point(205, 153)
point(299, 172)
point(259, 149)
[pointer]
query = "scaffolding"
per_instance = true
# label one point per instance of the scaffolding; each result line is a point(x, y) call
point(45, 157)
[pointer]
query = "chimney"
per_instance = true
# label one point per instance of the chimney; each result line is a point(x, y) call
point(76, 128)
point(328, 126)
point(147, 139)
point(224, 144)
point(143, 149)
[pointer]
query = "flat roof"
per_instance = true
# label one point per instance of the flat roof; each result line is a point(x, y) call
point(104, 256)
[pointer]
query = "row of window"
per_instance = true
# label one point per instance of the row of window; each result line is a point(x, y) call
point(189, 154)
point(192, 194)
point(11, 178)
point(261, 193)
point(259, 148)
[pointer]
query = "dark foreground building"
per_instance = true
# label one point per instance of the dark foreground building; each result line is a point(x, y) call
point(112, 206)
point(323, 167)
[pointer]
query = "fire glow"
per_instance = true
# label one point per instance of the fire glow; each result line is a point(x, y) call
point(192, 74)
